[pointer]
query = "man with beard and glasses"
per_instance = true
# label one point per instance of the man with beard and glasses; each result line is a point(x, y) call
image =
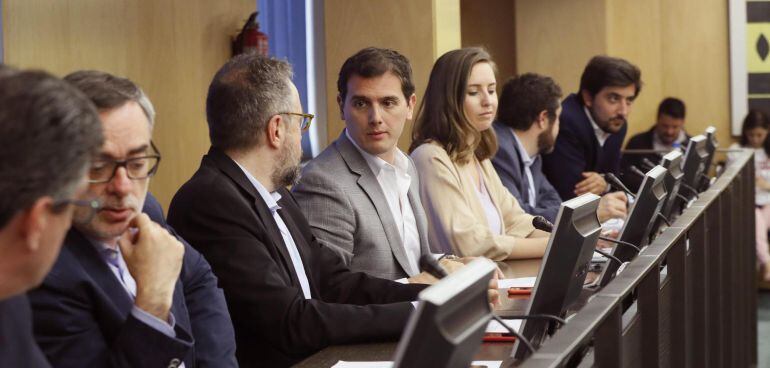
point(126, 292)
point(527, 126)
point(593, 126)
point(48, 133)
point(288, 294)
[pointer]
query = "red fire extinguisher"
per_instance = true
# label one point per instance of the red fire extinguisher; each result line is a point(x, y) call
point(250, 39)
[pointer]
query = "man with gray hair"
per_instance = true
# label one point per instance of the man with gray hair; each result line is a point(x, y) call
point(125, 291)
point(289, 295)
point(48, 133)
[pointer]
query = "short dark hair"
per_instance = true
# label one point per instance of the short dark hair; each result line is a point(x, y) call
point(373, 62)
point(242, 97)
point(523, 99)
point(672, 107)
point(48, 133)
point(606, 71)
point(109, 92)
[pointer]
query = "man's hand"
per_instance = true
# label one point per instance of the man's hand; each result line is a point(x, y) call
point(449, 265)
point(762, 183)
point(154, 259)
point(592, 182)
point(612, 205)
point(493, 294)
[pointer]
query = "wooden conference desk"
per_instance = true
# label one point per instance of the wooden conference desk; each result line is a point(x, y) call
point(385, 351)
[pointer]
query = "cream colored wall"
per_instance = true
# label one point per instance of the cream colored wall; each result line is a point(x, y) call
point(172, 48)
point(681, 47)
point(408, 26)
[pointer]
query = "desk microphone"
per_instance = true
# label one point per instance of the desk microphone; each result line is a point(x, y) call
point(690, 189)
point(615, 182)
point(430, 265)
point(636, 171)
point(647, 163)
point(541, 223)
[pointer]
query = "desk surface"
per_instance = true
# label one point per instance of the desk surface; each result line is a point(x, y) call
point(488, 351)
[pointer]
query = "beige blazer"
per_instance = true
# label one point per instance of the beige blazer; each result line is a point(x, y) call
point(456, 218)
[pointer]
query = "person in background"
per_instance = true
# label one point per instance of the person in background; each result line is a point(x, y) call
point(469, 210)
point(593, 126)
point(754, 136)
point(526, 127)
point(667, 134)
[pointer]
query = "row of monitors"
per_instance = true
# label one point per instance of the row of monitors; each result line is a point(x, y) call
point(448, 326)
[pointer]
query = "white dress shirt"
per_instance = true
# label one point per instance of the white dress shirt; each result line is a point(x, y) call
point(527, 161)
point(394, 181)
point(271, 199)
point(601, 135)
point(658, 145)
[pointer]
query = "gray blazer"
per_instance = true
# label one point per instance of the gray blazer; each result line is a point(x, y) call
point(348, 212)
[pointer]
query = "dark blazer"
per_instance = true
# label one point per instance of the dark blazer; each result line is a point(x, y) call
point(17, 345)
point(223, 216)
point(82, 314)
point(577, 150)
point(507, 163)
point(641, 141)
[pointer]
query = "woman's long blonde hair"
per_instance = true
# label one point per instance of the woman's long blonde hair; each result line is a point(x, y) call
point(441, 117)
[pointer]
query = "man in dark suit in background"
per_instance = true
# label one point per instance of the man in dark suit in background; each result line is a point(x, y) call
point(667, 134)
point(48, 133)
point(289, 296)
point(593, 126)
point(527, 126)
point(124, 290)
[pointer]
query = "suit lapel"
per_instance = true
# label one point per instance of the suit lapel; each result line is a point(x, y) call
point(234, 172)
point(419, 212)
point(369, 184)
point(94, 265)
point(512, 150)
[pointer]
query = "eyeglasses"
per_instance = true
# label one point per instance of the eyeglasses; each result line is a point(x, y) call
point(137, 168)
point(304, 124)
point(92, 205)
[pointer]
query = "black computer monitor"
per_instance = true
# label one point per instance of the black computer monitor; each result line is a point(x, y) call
point(694, 165)
point(672, 162)
point(565, 265)
point(711, 148)
point(448, 325)
point(641, 218)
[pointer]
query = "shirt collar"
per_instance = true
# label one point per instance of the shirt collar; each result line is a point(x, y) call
point(601, 135)
point(528, 161)
point(376, 164)
point(271, 199)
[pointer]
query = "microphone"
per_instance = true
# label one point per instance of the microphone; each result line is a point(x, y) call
point(431, 266)
point(647, 163)
point(660, 216)
point(428, 264)
point(690, 189)
point(541, 223)
point(636, 171)
point(615, 182)
point(620, 242)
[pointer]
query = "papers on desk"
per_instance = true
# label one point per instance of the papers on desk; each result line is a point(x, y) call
point(521, 282)
point(496, 327)
point(598, 258)
point(344, 364)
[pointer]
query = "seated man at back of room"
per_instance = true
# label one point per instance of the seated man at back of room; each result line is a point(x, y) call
point(593, 126)
point(527, 126)
point(48, 133)
point(667, 134)
point(361, 194)
point(289, 296)
point(124, 290)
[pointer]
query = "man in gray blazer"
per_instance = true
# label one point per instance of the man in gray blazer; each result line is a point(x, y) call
point(361, 194)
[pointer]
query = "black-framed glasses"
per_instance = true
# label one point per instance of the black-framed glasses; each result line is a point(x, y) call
point(92, 205)
point(304, 124)
point(137, 168)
